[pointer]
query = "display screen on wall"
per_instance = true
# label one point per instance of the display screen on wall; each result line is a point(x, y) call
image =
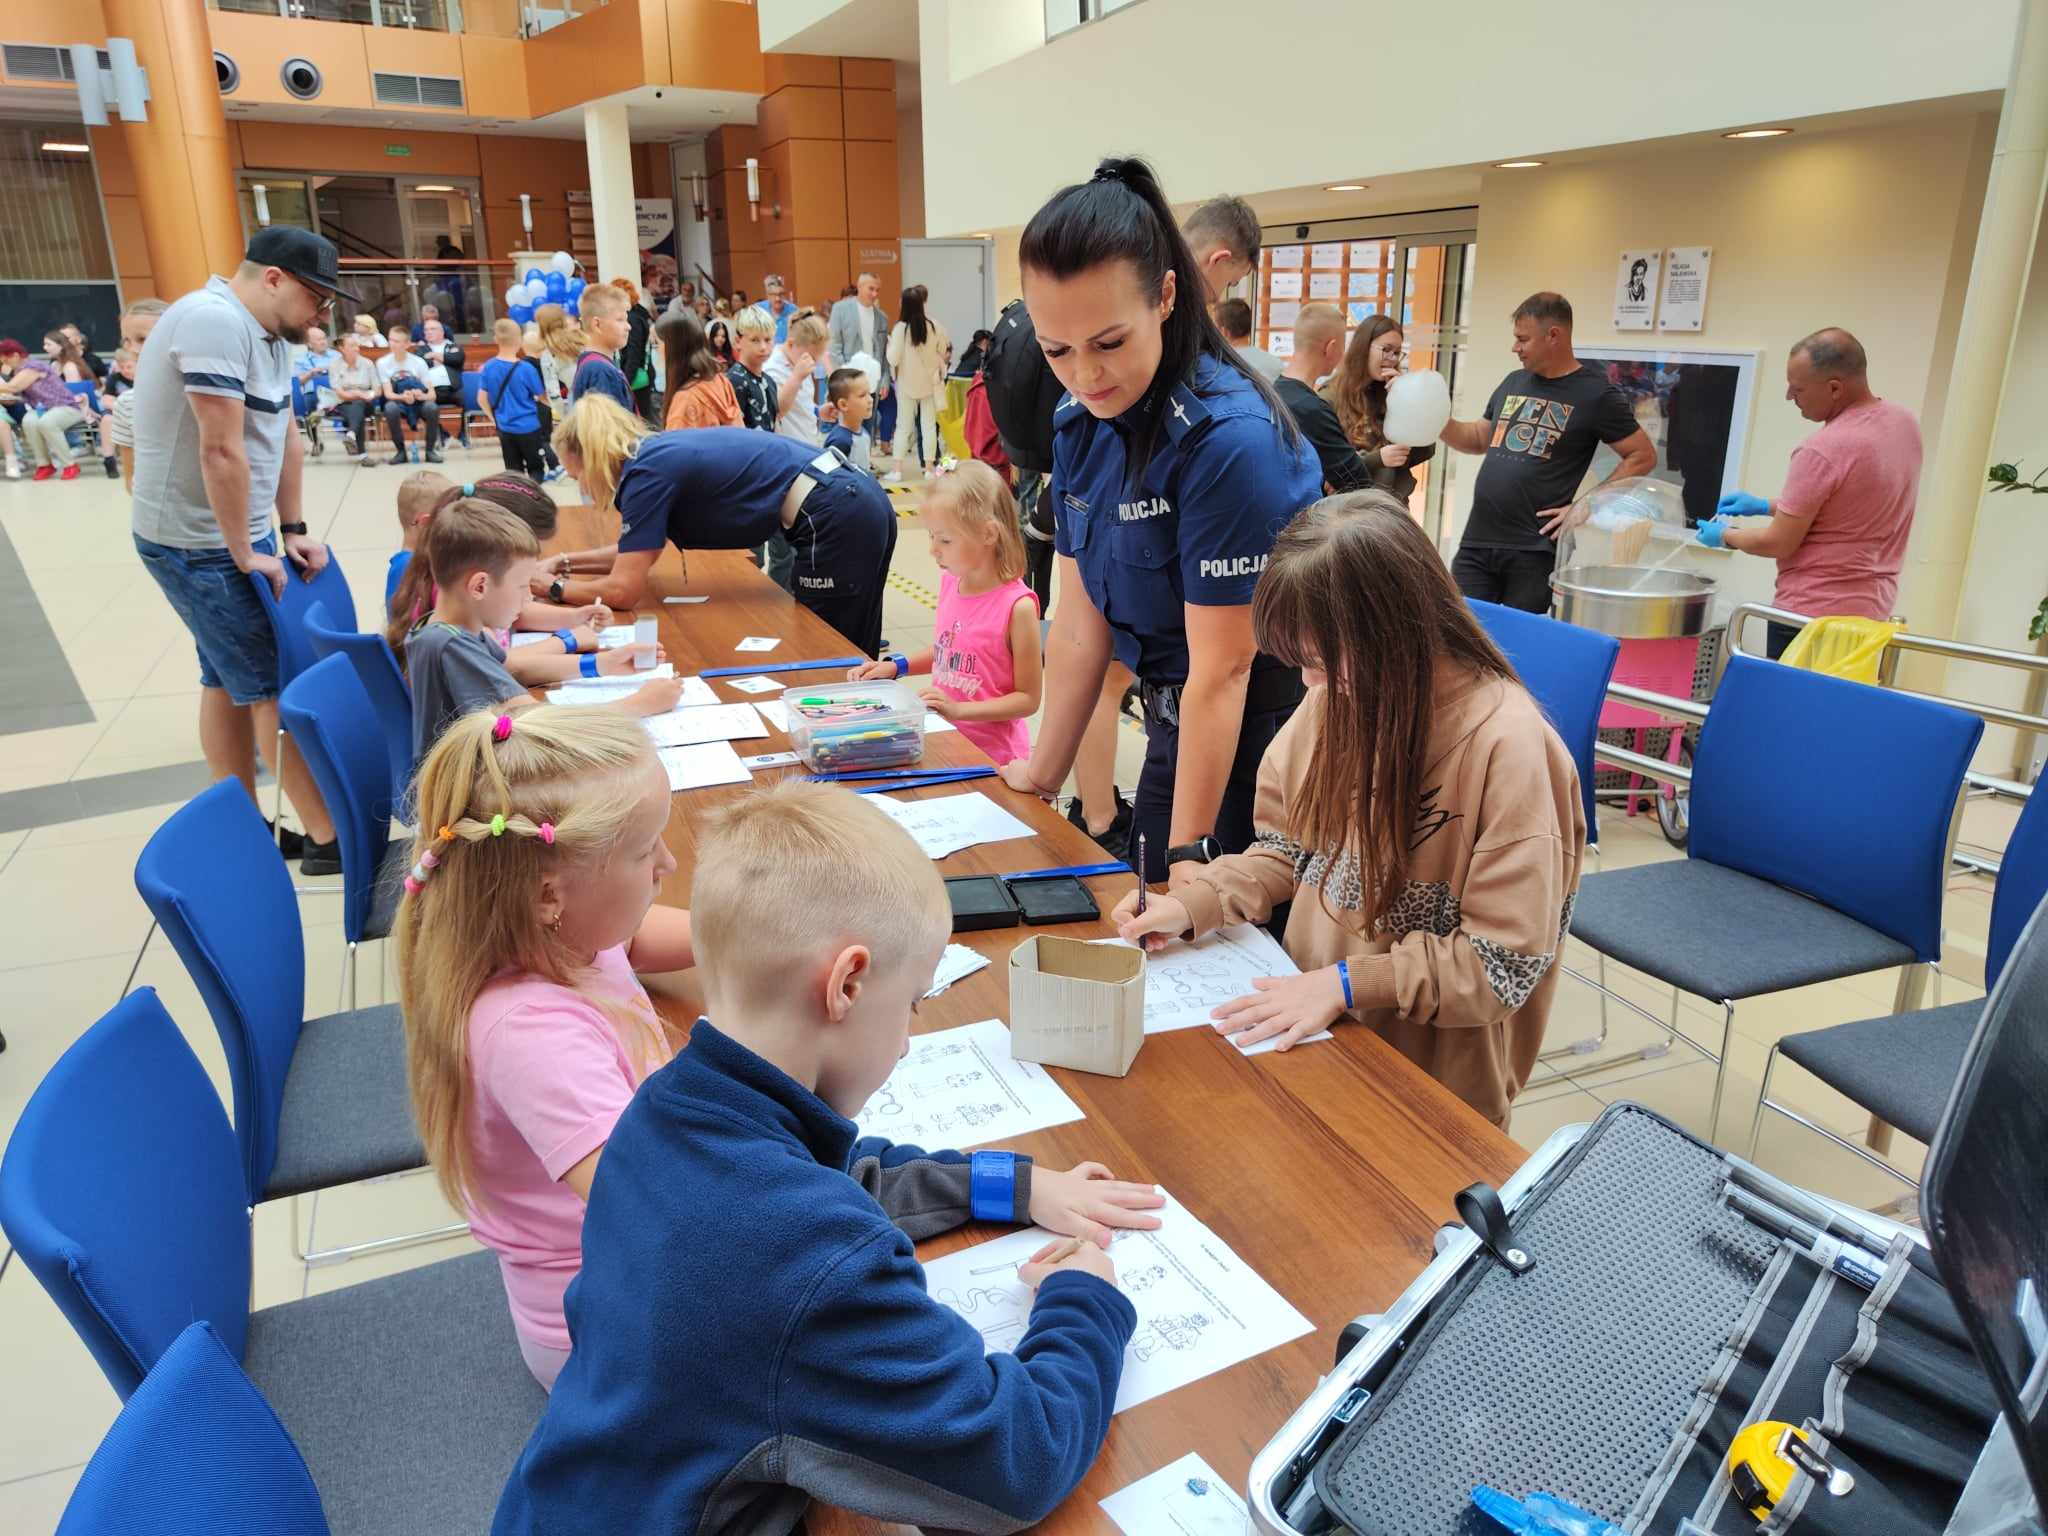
point(1695, 406)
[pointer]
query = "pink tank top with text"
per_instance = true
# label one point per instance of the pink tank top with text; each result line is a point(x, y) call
point(971, 659)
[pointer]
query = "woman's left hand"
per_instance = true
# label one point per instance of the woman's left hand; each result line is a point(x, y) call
point(1291, 1007)
point(1086, 1201)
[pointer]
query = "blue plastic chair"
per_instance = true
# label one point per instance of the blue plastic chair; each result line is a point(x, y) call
point(318, 1102)
point(86, 391)
point(327, 587)
point(1819, 847)
point(384, 685)
point(472, 397)
point(1566, 670)
point(196, 1452)
point(406, 1395)
point(1902, 1066)
point(346, 749)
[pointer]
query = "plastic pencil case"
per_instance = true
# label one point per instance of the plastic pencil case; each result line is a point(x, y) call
point(837, 727)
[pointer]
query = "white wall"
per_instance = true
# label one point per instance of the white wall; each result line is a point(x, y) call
point(1007, 121)
point(693, 235)
point(1857, 229)
point(782, 20)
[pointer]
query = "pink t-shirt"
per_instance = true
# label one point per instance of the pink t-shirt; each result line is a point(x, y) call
point(551, 1078)
point(971, 659)
point(1856, 481)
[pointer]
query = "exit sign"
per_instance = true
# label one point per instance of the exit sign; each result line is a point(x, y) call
point(397, 149)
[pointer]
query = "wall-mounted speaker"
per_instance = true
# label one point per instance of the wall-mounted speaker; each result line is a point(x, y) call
point(301, 78)
point(227, 74)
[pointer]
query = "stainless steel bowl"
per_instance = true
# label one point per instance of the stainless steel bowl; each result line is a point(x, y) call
point(1633, 602)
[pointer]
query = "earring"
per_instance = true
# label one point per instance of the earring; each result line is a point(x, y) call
point(555, 927)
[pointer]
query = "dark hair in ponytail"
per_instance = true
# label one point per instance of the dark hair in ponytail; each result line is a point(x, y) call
point(521, 495)
point(911, 313)
point(1121, 214)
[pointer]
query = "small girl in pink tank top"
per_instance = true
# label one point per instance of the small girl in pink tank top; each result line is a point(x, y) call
point(985, 661)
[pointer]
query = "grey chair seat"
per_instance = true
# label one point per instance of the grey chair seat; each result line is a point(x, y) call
point(407, 1396)
point(346, 1112)
point(1720, 934)
point(1901, 1067)
point(393, 866)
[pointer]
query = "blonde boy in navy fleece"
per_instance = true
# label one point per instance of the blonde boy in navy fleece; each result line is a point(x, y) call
point(750, 1329)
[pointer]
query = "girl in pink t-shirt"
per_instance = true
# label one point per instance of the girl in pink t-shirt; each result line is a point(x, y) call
point(529, 909)
point(985, 662)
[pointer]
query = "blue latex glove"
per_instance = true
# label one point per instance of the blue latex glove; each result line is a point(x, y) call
point(1742, 504)
point(1713, 533)
point(1541, 1514)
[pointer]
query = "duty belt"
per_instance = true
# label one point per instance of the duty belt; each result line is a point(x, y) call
point(1271, 687)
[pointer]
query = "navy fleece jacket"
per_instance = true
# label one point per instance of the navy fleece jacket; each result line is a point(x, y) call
point(751, 1331)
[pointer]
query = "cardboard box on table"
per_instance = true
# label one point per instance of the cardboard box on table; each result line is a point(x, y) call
point(1077, 1005)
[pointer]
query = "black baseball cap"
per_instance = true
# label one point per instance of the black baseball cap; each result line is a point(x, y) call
point(311, 258)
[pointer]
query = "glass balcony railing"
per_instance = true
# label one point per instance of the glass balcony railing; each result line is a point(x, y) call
point(479, 18)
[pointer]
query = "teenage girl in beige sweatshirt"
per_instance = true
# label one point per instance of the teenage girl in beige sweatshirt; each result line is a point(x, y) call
point(1419, 812)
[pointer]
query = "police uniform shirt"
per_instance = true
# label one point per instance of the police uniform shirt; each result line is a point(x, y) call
point(711, 487)
point(1198, 526)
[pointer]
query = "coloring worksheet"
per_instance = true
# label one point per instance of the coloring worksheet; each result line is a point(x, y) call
point(952, 822)
point(755, 684)
point(697, 767)
point(1184, 1498)
point(610, 690)
point(1200, 1307)
point(711, 722)
point(758, 643)
point(1185, 983)
point(962, 1088)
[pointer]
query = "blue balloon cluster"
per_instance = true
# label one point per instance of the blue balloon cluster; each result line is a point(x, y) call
point(553, 284)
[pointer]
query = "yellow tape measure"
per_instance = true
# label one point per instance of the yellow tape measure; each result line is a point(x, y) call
point(1763, 1458)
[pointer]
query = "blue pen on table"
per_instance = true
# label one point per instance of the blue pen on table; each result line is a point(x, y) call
point(941, 777)
point(787, 666)
point(1066, 871)
point(963, 772)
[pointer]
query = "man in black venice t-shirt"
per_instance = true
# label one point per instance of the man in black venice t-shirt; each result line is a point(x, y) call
point(1540, 432)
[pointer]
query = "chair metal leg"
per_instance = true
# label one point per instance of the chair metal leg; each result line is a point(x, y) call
point(1911, 993)
point(352, 975)
point(303, 1250)
point(277, 784)
point(127, 985)
point(1648, 1052)
point(1763, 1100)
point(1841, 1141)
point(1720, 1066)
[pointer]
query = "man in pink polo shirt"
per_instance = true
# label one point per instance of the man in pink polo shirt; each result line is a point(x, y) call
point(1838, 529)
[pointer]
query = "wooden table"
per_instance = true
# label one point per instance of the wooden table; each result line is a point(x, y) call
point(1328, 1168)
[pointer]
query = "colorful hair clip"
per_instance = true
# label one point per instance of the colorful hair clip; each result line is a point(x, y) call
point(446, 834)
point(469, 490)
point(498, 825)
point(547, 833)
point(502, 728)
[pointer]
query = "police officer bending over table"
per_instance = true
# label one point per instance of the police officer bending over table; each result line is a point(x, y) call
point(1174, 467)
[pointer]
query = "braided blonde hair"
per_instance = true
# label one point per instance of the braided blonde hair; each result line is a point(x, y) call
point(483, 801)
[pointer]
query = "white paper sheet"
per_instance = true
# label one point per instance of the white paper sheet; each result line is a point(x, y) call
point(1200, 1307)
point(529, 637)
point(614, 637)
point(775, 712)
point(962, 1088)
point(707, 763)
point(709, 722)
point(610, 690)
point(686, 600)
point(755, 684)
point(957, 962)
point(1184, 1498)
point(952, 822)
point(758, 643)
point(659, 670)
point(1185, 983)
point(935, 723)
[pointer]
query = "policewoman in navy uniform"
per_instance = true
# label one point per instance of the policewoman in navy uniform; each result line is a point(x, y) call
point(1174, 468)
point(724, 488)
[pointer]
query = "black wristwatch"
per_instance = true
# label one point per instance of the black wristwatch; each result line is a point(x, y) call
point(555, 590)
point(1203, 850)
point(291, 527)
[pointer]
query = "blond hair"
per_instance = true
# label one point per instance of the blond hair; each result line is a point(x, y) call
point(603, 434)
point(1315, 325)
point(418, 494)
point(529, 341)
point(598, 303)
point(560, 334)
point(809, 330)
point(977, 496)
point(752, 322)
point(580, 771)
point(820, 868)
point(506, 333)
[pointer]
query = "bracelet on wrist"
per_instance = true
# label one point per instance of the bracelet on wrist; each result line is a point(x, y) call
point(1344, 976)
point(587, 664)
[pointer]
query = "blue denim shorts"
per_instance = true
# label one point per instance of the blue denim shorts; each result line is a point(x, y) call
point(230, 630)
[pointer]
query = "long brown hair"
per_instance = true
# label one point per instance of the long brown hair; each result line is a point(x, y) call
point(1355, 589)
point(1359, 399)
point(686, 354)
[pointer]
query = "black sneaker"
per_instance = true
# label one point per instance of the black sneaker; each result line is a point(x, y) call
point(321, 858)
point(433, 455)
point(397, 461)
point(290, 844)
point(1116, 841)
point(113, 469)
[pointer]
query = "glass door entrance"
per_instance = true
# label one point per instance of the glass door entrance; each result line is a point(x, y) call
point(1433, 274)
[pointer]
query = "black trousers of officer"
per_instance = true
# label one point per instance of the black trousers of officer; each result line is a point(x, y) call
point(1270, 702)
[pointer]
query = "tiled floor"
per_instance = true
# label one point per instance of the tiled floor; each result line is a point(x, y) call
point(72, 923)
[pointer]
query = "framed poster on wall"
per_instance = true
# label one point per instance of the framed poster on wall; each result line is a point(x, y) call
point(1695, 406)
point(1635, 290)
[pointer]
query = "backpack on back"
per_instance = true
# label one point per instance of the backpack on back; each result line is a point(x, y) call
point(978, 425)
point(1022, 392)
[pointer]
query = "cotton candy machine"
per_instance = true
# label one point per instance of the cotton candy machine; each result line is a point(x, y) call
point(1619, 564)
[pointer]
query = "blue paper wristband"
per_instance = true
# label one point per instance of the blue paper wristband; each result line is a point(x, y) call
point(568, 639)
point(588, 664)
point(992, 1185)
point(1344, 975)
point(902, 663)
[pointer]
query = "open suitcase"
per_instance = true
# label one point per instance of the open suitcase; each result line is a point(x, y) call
point(1635, 1298)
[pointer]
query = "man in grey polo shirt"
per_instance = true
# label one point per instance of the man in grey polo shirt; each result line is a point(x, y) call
point(216, 465)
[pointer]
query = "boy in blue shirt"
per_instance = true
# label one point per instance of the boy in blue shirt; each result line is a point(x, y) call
point(602, 311)
point(510, 391)
point(854, 397)
point(750, 1329)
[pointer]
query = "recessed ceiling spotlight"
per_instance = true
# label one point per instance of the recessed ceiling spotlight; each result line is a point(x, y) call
point(1347, 186)
point(54, 148)
point(1757, 133)
point(1517, 165)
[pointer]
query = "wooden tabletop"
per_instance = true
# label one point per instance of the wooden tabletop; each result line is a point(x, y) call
point(1328, 1168)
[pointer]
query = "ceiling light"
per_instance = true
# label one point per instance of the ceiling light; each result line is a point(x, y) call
point(433, 189)
point(1757, 133)
point(1347, 186)
point(54, 148)
point(1516, 165)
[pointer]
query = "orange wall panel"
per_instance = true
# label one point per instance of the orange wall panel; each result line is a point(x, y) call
point(778, 211)
point(814, 196)
point(817, 268)
point(884, 258)
point(781, 69)
point(408, 51)
point(261, 44)
point(873, 195)
point(546, 168)
point(801, 112)
point(56, 26)
point(362, 151)
point(728, 148)
point(111, 162)
point(714, 45)
point(494, 76)
point(870, 114)
point(730, 224)
point(594, 56)
point(868, 74)
point(131, 249)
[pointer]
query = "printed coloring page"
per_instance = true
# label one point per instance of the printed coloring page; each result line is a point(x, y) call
point(961, 1088)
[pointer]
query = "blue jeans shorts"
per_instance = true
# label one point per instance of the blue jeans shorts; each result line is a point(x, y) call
point(230, 630)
